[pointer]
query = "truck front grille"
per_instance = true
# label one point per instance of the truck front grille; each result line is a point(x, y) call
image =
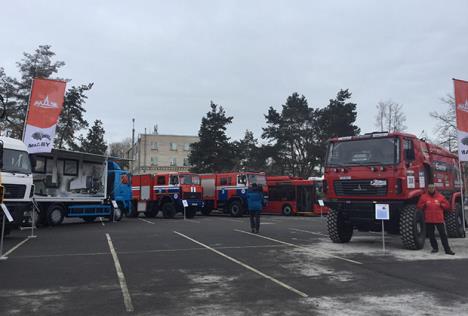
point(358, 188)
point(14, 191)
point(192, 196)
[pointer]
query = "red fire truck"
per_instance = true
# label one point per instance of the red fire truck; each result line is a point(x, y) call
point(227, 191)
point(165, 192)
point(291, 195)
point(393, 169)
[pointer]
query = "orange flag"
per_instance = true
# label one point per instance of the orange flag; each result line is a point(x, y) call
point(45, 106)
point(461, 102)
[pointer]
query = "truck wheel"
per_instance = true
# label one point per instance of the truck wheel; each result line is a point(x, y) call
point(152, 211)
point(454, 222)
point(205, 211)
point(55, 214)
point(190, 212)
point(236, 209)
point(168, 210)
point(89, 219)
point(412, 227)
point(338, 230)
point(287, 210)
point(134, 212)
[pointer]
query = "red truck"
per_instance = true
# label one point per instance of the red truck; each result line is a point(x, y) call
point(292, 195)
point(165, 192)
point(393, 169)
point(227, 191)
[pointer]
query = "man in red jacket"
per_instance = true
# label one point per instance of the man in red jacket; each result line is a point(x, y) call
point(434, 204)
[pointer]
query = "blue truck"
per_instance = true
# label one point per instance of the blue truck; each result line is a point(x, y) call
point(79, 185)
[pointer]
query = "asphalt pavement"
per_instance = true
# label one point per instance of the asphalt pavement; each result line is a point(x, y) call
point(215, 266)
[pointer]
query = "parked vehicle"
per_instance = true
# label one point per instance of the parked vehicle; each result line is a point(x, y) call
point(388, 168)
point(166, 192)
point(17, 180)
point(292, 195)
point(76, 184)
point(227, 191)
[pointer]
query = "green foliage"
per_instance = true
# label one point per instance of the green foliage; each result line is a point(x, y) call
point(94, 142)
point(213, 152)
point(72, 117)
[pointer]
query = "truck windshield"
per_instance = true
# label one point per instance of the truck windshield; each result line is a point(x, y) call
point(374, 151)
point(16, 161)
point(256, 178)
point(190, 179)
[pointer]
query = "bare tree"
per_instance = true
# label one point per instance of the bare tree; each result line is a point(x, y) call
point(119, 149)
point(390, 116)
point(446, 129)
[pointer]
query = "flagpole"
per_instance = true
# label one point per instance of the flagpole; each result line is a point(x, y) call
point(462, 195)
point(27, 110)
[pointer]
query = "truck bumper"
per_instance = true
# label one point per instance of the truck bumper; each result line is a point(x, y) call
point(17, 210)
point(364, 211)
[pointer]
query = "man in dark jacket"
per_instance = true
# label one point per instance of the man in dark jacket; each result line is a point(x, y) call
point(434, 204)
point(255, 205)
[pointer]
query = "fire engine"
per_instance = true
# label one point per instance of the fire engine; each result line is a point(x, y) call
point(292, 195)
point(393, 169)
point(166, 192)
point(228, 191)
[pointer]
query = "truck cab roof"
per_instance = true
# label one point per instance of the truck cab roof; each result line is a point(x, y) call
point(12, 143)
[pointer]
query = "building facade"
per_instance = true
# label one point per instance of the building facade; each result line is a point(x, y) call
point(159, 153)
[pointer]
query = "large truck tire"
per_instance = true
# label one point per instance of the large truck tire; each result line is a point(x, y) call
point(206, 211)
point(152, 210)
point(169, 210)
point(412, 227)
point(454, 222)
point(55, 214)
point(190, 212)
point(287, 210)
point(134, 212)
point(236, 209)
point(338, 230)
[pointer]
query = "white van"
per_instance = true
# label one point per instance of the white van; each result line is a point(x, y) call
point(16, 178)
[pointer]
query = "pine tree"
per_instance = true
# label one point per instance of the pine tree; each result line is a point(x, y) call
point(94, 142)
point(36, 65)
point(72, 117)
point(213, 152)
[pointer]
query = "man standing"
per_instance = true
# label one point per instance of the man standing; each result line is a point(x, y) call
point(433, 204)
point(255, 205)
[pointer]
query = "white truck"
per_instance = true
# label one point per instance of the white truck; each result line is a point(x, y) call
point(17, 179)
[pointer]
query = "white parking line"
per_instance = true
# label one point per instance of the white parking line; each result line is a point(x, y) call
point(298, 246)
point(16, 247)
point(146, 221)
point(192, 220)
point(309, 232)
point(121, 277)
point(266, 276)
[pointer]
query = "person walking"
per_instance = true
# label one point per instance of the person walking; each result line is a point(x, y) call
point(434, 204)
point(255, 205)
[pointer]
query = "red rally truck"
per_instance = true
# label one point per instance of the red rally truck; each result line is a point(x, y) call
point(228, 191)
point(393, 169)
point(166, 192)
point(291, 195)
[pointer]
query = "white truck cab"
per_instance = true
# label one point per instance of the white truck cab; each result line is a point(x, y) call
point(16, 178)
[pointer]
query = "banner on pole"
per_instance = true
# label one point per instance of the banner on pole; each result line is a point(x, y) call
point(461, 103)
point(45, 106)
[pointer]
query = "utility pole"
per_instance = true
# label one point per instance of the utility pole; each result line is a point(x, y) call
point(133, 145)
point(144, 157)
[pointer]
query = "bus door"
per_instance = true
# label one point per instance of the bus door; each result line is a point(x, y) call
point(305, 198)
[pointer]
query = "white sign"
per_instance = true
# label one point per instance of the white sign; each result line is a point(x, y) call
point(382, 211)
point(185, 203)
point(7, 212)
point(320, 202)
point(114, 204)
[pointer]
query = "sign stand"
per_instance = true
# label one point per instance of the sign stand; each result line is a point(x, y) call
point(185, 204)
point(382, 212)
point(6, 215)
point(320, 202)
point(2, 257)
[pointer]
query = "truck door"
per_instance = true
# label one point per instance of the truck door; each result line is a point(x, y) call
point(413, 167)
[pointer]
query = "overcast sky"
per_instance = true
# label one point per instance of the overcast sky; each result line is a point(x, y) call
point(161, 62)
